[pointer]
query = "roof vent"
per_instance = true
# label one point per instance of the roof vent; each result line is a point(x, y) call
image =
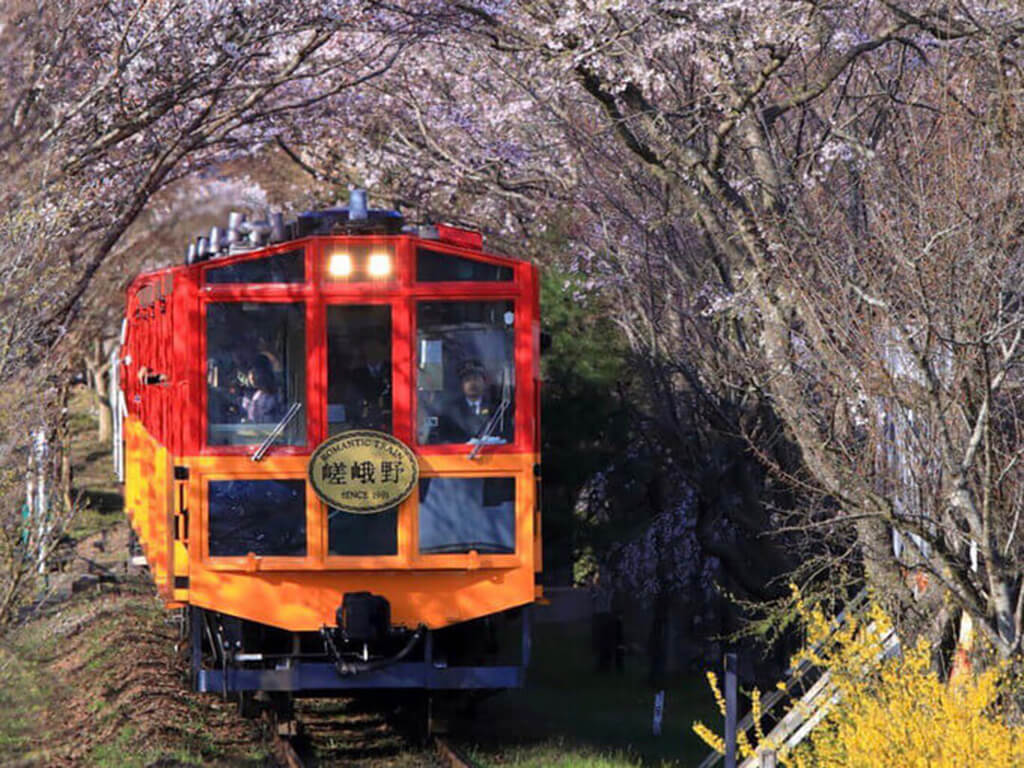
point(278, 233)
point(357, 204)
point(215, 241)
point(236, 221)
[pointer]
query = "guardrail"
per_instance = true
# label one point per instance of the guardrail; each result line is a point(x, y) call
point(818, 696)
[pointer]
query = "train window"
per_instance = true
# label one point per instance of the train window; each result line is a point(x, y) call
point(349, 534)
point(287, 267)
point(358, 368)
point(466, 371)
point(437, 267)
point(265, 517)
point(462, 514)
point(255, 373)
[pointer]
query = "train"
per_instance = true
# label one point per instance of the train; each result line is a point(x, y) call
point(329, 436)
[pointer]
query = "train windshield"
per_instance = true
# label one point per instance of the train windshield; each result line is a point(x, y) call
point(359, 396)
point(465, 372)
point(459, 515)
point(255, 373)
point(359, 368)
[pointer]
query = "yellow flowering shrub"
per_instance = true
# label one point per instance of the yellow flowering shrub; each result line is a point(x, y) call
point(892, 708)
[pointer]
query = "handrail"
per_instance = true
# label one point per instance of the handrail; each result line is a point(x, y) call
point(793, 677)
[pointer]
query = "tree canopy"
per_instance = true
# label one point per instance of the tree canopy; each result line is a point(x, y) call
point(803, 216)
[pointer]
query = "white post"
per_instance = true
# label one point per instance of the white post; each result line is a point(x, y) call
point(41, 521)
point(731, 708)
point(117, 413)
point(659, 709)
point(29, 520)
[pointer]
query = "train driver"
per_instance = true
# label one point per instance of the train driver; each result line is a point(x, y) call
point(467, 414)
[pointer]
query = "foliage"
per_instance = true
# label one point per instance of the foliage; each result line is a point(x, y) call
point(633, 517)
point(30, 534)
point(571, 711)
point(803, 217)
point(889, 709)
point(103, 105)
point(584, 416)
point(806, 218)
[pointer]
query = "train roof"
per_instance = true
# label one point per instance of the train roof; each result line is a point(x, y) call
point(242, 237)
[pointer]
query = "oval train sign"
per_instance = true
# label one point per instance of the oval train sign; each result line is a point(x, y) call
point(363, 471)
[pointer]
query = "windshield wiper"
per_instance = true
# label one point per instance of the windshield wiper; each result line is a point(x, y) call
point(275, 433)
point(499, 413)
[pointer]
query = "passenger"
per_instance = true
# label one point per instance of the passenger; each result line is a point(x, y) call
point(466, 415)
point(266, 346)
point(263, 403)
point(227, 378)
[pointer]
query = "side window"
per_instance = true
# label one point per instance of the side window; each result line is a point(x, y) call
point(437, 267)
point(255, 373)
point(358, 368)
point(287, 267)
point(462, 514)
point(465, 372)
point(265, 517)
point(349, 534)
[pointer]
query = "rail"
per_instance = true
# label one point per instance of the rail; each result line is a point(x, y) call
point(281, 745)
point(285, 728)
point(452, 757)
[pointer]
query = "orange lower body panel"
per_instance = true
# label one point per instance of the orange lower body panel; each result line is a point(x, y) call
point(306, 601)
point(300, 594)
point(148, 502)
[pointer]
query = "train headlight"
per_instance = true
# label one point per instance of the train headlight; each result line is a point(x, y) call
point(339, 265)
point(379, 265)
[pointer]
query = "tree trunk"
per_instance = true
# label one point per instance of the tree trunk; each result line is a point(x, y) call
point(105, 415)
point(99, 381)
point(64, 476)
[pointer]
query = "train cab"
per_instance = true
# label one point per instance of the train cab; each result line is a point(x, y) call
point(331, 452)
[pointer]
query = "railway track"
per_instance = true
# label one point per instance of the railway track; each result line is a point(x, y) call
point(281, 739)
point(350, 732)
point(451, 757)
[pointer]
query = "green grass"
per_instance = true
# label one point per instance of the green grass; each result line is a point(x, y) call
point(22, 696)
point(61, 669)
point(93, 481)
point(74, 691)
point(570, 716)
point(124, 751)
point(557, 754)
point(29, 688)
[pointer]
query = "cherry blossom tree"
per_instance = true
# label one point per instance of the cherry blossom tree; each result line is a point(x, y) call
point(808, 213)
point(104, 104)
point(805, 214)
